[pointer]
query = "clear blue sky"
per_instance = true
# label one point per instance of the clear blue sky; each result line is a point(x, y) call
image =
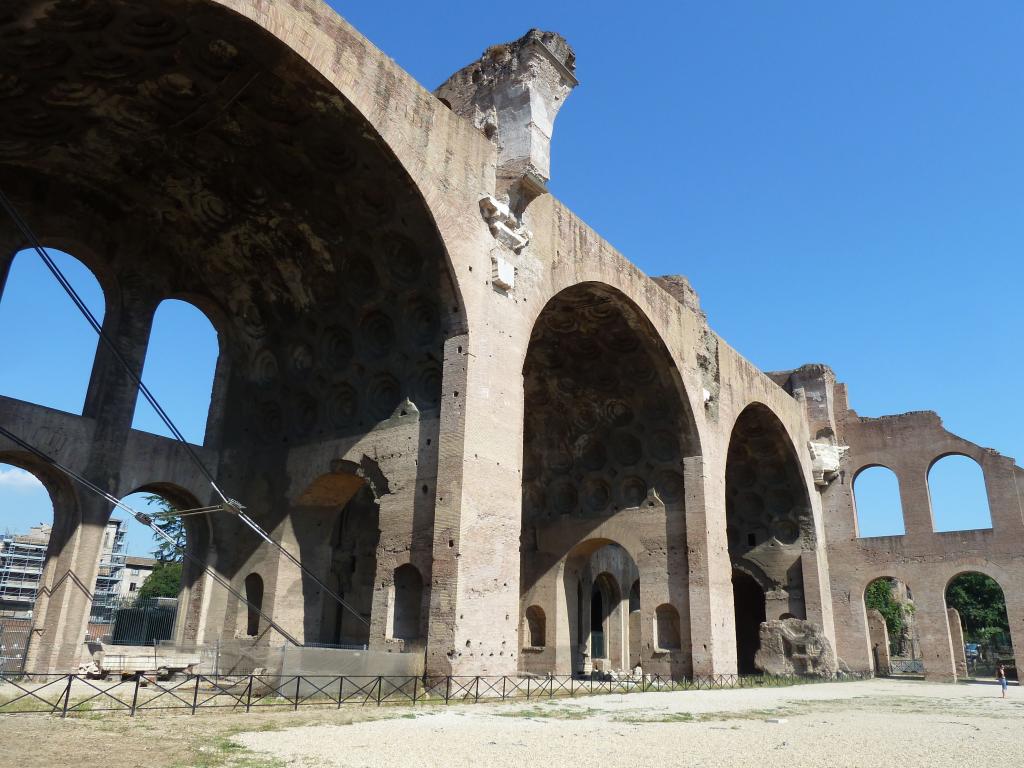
point(842, 183)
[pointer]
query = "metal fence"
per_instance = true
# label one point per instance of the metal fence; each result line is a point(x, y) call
point(14, 635)
point(75, 694)
point(906, 667)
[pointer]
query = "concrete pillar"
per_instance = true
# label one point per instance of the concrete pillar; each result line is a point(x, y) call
point(75, 547)
point(712, 623)
point(61, 616)
point(1004, 496)
point(878, 633)
point(956, 634)
point(1015, 616)
point(817, 600)
point(932, 624)
point(111, 396)
point(914, 496)
point(474, 609)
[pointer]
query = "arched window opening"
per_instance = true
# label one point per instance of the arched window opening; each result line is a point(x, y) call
point(634, 597)
point(956, 487)
point(254, 597)
point(982, 639)
point(49, 360)
point(536, 626)
point(181, 360)
point(408, 599)
point(140, 580)
point(666, 627)
point(768, 525)
point(892, 599)
point(749, 607)
point(876, 494)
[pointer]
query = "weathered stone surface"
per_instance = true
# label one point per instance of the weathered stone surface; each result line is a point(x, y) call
point(795, 647)
point(505, 445)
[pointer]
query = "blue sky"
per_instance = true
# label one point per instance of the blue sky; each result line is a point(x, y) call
point(842, 183)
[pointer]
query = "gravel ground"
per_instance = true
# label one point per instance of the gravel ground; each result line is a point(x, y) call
point(840, 725)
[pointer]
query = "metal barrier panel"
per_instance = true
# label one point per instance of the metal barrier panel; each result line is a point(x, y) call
point(75, 694)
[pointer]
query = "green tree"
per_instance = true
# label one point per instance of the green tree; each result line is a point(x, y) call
point(981, 605)
point(171, 525)
point(879, 596)
point(164, 581)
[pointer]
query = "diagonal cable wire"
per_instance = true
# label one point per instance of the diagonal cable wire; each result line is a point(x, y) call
point(229, 505)
point(96, 326)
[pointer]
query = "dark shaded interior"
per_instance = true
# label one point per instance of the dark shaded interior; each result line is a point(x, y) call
point(605, 418)
point(748, 602)
point(768, 513)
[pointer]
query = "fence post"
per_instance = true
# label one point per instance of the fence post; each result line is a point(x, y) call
point(195, 695)
point(248, 694)
point(341, 689)
point(67, 695)
point(298, 682)
point(447, 688)
point(551, 687)
point(380, 685)
point(415, 687)
point(527, 689)
point(135, 695)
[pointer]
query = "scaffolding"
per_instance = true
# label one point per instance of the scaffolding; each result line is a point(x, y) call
point(108, 579)
point(23, 557)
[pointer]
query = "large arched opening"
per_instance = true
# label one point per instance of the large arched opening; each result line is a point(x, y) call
point(607, 430)
point(204, 158)
point(180, 370)
point(892, 627)
point(39, 521)
point(979, 626)
point(768, 524)
point(958, 495)
point(163, 581)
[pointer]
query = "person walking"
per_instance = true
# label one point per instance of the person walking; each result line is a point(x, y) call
point(1002, 679)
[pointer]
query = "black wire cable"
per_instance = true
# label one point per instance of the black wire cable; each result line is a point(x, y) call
point(96, 326)
point(145, 520)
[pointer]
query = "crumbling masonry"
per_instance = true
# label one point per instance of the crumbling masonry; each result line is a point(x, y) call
point(501, 442)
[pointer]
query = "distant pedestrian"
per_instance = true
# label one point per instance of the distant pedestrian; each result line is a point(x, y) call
point(1002, 679)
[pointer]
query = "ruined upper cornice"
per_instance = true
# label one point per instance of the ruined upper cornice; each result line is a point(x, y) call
point(513, 94)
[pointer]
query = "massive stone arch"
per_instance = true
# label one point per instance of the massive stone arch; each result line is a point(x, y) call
point(197, 154)
point(769, 524)
point(60, 585)
point(607, 429)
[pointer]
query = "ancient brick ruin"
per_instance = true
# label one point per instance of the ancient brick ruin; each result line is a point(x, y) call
point(502, 443)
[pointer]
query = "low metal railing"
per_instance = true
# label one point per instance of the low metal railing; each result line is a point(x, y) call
point(906, 666)
point(75, 694)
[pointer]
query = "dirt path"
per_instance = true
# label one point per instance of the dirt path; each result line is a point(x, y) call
point(846, 725)
point(855, 725)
